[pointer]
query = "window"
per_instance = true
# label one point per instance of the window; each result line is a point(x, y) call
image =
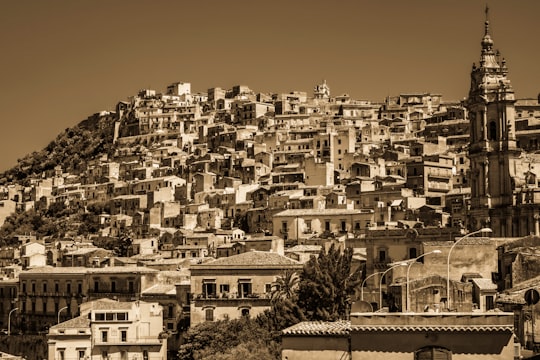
point(79, 287)
point(123, 335)
point(96, 286)
point(209, 288)
point(209, 314)
point(382, 255)
point(244, 288)
point(61, 354)
point(268, 288)
point(492, 130)
point(113, 286)
point(489, 303)
point(56, 287)
point(33, 287)
point(412, 253)
point(44, 287)
point(224, 288)
point(145, 355)
point(245, 312)
point(433, 353)
point(327, 225)
point(104, 335)
point(24, 287)
point(81, 354)
point(131, 286)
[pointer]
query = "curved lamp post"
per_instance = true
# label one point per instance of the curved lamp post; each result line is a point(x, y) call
point(411, 262)
point(382, 277)
point(363, 282)
point(59, 311)
point(488, 230)
point(9, 320)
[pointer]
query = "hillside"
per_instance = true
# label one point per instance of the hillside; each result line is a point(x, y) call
point(71, 149)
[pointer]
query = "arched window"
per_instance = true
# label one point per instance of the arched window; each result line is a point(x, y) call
point(492, 131)
point(433, 353)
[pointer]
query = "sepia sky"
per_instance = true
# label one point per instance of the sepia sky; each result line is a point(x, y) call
point(63, 60)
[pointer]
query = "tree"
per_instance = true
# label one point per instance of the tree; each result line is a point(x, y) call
point(286, 286)
point(228, 339)
point(327, 285)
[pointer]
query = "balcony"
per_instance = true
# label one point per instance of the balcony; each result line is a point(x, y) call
point(381, 264)
point(140, 340)
point(232, 299)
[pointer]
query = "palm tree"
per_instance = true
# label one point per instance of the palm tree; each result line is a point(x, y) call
point(286, 286)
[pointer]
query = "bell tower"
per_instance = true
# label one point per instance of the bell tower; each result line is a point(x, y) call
point(492, 151)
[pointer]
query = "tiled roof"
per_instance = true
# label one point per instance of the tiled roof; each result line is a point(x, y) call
point(341, 328)
point(319, 328)
point(251, 258)
point(78, 322)
point(446, 328)
point(109, 304)
point(311, 212)
point(160, 289)
point(303, 248)
point(57, 270)
point(121, 269)
point(484, 284)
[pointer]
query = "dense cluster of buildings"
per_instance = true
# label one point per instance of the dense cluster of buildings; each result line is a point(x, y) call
point(223, 191)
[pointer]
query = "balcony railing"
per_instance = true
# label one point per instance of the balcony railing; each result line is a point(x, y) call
point(140, 340)
point(381, 264)
point(232, 296)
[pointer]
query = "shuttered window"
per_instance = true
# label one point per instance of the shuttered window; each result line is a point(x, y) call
point(433, 353)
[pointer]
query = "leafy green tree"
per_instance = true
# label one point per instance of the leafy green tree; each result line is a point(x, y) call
point(327, 285)
point(249, 350)
point(229, 339)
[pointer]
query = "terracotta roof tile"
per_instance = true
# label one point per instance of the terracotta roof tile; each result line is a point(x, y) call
point(252, 258)
point(78, 322)
point(341, 328)
point(319, 328)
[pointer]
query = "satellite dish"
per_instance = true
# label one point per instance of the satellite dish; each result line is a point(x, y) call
point(361, 306)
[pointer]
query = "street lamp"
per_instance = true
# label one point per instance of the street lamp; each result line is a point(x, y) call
point(363, 282)
point(382, 277)
point(411, 262)
point(59, 311)
point(9, 320)
point(488, 230)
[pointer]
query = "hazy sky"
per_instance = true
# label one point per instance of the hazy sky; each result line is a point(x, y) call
point(62, 61)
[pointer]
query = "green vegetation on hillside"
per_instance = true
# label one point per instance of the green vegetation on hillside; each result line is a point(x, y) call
point(71, 149)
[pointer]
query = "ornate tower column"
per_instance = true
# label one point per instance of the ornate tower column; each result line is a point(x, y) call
point(492, 150)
